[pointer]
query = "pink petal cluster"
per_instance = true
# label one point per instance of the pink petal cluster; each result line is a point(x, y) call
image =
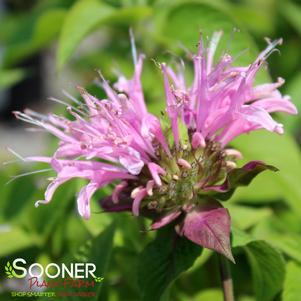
point(222, 102)
point(117, 140)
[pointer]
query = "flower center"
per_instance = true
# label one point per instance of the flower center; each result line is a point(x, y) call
point(187, 172)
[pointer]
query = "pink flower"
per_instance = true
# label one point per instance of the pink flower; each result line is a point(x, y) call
point(172, 180)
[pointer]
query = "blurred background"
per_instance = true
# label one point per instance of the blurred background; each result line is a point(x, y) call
point(47, 47)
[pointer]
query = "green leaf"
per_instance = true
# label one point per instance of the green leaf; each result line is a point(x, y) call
point(162, 261)
point(245, 217)
point(87, 15)
point(266, 263)
point(100, 254)
point(280, 151)
point(48, 26)
point(33, 33)
point(15, 239)
point(293, 89)
point(80, 20)
point(292, 288)
point(98, 251)
point(267, 269)
point(240, 238)
point(10, 77)
point(209, 295)
point(283, 239)
point(61, 205)
point(292, 12)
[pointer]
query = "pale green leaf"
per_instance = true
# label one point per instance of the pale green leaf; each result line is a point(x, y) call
point(292, 287)
point(80, 20)
point(10, 77)
point(206, 18)
point(280, 151)
point(209, 295)
point(87, 15)
point(14, 239)
point(283, 239)
point(245, 217)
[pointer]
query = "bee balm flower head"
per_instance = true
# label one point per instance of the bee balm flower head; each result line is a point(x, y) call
point(117, 140)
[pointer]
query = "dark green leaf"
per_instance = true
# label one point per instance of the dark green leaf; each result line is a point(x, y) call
point(293, 89)
point(98, 251)
point(162, 261)
point(266, 263)
point(292, 12)
point(267, 269)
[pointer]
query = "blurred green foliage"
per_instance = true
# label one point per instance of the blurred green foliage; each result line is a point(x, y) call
point(266, 216)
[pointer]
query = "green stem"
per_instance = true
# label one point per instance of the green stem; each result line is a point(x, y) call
point(226, 278)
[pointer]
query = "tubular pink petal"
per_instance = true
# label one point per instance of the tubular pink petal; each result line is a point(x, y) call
point(132, 163)
point(165, 220)
point(260, 117)
point(276, 105)
point(197, 140)
point(149, 187)
point(117, 191)
point(50, 191)
point(265, 90)
point(155, 170)
point(83, 200)
point(137, 201)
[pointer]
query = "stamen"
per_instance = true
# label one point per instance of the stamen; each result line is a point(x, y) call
point(27, 174)
point(16, 154)
point(30, 112)
point(72, 98)
point(133, 46)
point(68, 105)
